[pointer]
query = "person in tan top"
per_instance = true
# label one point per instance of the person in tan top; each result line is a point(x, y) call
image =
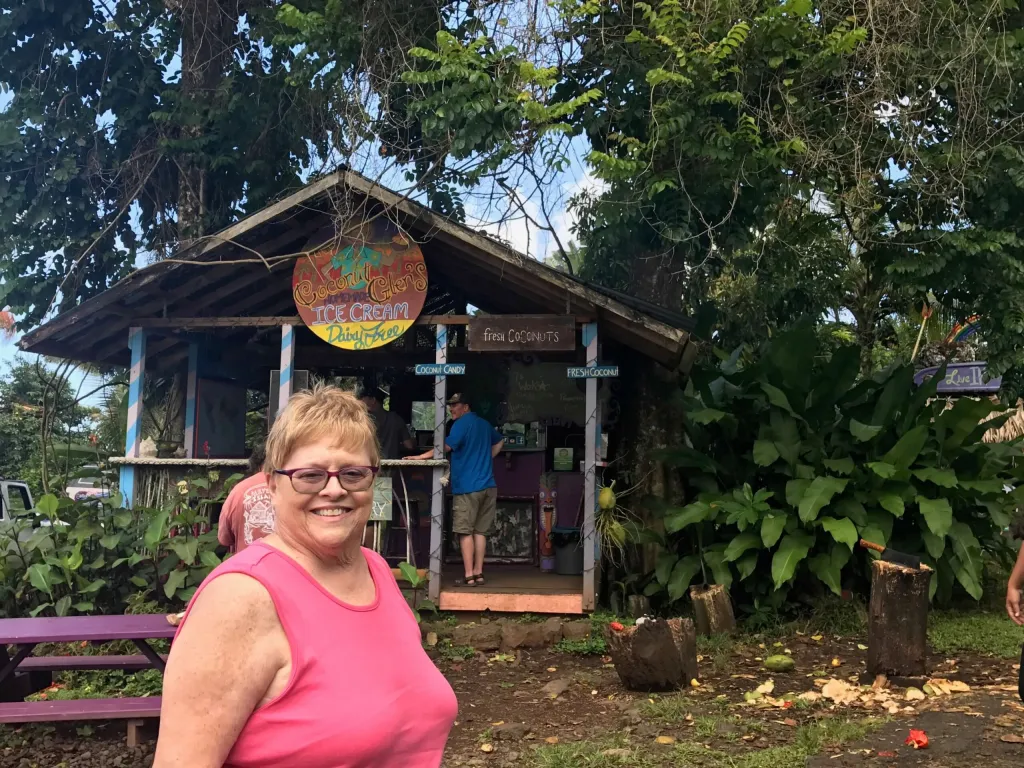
point(248, 513)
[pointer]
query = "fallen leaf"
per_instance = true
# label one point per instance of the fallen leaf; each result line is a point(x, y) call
point(790, 722)
point(667, 740)
point(552, 669)
point(836, 663)
point(816, 638)
point(487, 748)
point(917, 739)
point(500, 722)
point(881, 683)
point(840, 692)
point(1012, 738)
point(593, 693)
point(766, 687)
point(914, 694)
point(861, 647)
point(887, 753)
point(810, 697)
point(551, 739)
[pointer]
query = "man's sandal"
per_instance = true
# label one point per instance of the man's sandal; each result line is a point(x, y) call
point(478, 580)
point(468, 581)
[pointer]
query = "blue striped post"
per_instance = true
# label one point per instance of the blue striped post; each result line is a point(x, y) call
point(190, 401)
point(133, 433)
point(590, 342)
point(436, 491)
point(284, 389)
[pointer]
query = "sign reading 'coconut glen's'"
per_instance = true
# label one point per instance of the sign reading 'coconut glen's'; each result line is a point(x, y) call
point(521, 333)
point(363, 292)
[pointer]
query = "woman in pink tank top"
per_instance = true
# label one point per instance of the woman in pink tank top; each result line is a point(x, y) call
point(301, 652)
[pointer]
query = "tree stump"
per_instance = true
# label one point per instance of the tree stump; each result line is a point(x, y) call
point(637, 606)
point(712, 610)
point(657, 655)
point(898, 620)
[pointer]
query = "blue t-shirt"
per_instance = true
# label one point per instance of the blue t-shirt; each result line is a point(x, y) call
point(471, 439)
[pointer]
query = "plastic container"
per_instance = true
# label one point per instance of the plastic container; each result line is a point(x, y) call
point(568, 551)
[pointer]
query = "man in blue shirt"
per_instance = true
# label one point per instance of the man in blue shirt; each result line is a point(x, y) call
point(473, 444)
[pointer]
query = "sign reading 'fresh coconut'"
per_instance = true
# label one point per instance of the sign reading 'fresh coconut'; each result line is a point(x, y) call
point(365, 291)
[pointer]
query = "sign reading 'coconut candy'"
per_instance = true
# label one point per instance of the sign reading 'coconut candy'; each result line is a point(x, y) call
point(363, 292)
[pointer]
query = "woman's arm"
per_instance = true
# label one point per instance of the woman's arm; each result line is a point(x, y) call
point(1013, 588)
point(229, 655)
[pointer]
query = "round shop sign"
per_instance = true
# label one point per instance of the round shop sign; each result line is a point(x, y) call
point(364, 291)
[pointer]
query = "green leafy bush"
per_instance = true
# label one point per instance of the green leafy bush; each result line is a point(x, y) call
point(95, 556)
point(791, 459)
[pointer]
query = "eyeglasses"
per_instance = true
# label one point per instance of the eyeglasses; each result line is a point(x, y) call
point(310, 480)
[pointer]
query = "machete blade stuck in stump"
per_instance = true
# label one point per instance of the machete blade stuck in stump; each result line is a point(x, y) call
point(898, 620)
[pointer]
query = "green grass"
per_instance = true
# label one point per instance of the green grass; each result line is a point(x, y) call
point(833, 616)
point(591, 646)
point(449, 652)
point(674, 708)
point(588, 754)
point(990, 634)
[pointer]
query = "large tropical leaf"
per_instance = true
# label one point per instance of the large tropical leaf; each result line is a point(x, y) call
point(907, 448)
point(819, 493)
point(741, 544)
point(843, 531)
point(765, 453)
point(790, 554)
point(864, 432)
point(944, 478)
point(892, 503)
point(795, 490)
point(678, 519)
point(720, 570)
point(772, 527)
point(682, 576)
point(937, 513)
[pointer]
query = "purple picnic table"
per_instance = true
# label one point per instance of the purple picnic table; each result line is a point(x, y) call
point(27, 633)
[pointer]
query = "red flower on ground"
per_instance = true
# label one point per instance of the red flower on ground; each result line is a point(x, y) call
point(616, 626)
point(917, 739)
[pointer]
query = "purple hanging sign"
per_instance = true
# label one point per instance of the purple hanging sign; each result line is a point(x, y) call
point(961, 378)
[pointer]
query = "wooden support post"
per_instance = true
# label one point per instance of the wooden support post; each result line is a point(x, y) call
point(593, 430)
point(436, 489)
point(190, 400)
point(658, 655)
point(133, 431)
point(133, 731)
point(712, 610)
point(287, 366)
point(898, 620)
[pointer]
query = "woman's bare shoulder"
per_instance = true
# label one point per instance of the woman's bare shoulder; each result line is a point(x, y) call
point(232, 603)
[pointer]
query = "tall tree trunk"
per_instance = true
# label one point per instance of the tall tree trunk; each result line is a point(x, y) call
point(206, 26)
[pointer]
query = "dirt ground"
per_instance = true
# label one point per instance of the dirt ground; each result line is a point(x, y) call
point(543, 709)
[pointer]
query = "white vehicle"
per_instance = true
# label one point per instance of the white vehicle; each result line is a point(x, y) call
point(83, 488)
point(15, 499)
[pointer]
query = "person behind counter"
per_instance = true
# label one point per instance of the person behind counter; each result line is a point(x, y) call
point(278, 660)
point(248, 512)
point(473, 444)
point(392, 433)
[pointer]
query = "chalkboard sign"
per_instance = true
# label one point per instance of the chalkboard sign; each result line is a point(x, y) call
point(542, 392)
point(521, 333)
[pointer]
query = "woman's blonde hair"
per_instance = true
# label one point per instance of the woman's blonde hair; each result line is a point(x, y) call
point(318, 412)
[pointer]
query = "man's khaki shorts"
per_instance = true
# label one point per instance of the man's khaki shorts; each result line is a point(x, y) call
point(474, 512)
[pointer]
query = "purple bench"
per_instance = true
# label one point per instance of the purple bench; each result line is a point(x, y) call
point(79, 663)
point(27, 633)
point(132, 710)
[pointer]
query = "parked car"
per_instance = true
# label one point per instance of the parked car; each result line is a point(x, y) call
point(15, 499)
point(83, 488)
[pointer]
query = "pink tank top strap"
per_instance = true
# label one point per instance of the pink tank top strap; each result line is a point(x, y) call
point(279, 576)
